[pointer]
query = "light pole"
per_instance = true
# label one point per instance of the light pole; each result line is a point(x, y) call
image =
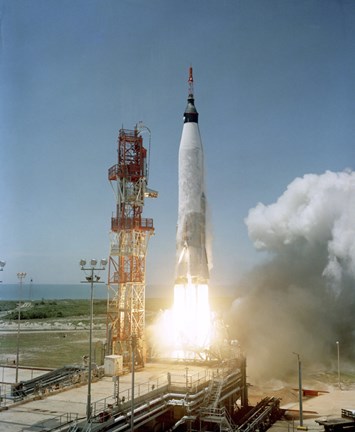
point(91, 278)
point(134, 345)
point(2, 265)
point(21, 276)
point(30, 293)
point(300, 392)
point(338, 351)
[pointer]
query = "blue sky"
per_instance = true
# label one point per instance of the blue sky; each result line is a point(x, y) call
point(274, 86)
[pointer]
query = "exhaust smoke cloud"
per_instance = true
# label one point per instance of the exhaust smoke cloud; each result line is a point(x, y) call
point(303, 298)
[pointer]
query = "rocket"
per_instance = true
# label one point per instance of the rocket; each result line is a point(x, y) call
point(191, 259)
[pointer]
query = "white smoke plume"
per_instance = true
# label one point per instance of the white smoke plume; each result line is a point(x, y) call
point(303, 298)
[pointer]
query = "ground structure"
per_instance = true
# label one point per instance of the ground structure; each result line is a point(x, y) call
point(46, 410)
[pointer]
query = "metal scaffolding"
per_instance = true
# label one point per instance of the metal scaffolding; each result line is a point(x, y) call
point(130, 235)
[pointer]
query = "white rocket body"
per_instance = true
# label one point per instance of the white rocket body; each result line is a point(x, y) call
point(192, 263)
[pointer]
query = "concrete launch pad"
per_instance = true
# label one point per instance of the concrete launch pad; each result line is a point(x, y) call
point(46, 411)
point(36, 414)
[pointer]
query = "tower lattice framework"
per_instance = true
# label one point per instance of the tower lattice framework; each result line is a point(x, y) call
point(130, 234)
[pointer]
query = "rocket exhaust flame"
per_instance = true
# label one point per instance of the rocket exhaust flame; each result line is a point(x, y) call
point(191, 319)
point(185, 331)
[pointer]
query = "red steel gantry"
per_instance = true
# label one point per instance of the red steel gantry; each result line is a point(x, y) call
point(130, 235)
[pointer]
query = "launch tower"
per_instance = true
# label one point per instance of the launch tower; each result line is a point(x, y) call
point(130, 234)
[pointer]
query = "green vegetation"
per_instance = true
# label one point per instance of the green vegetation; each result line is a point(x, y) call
point(46, 309)
point(50, 349)
point(7, 305)
point(59, 347)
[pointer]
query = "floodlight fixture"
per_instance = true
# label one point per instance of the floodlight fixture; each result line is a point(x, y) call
point(91, 278)
point(21, 276)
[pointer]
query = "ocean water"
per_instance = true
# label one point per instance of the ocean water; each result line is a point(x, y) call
point(51, 291)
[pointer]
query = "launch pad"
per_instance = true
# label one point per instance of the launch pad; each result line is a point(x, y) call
point(182, 399)
point(165, 396)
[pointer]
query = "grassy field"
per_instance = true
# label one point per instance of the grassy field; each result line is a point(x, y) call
point(49, 349)
point(54, 349)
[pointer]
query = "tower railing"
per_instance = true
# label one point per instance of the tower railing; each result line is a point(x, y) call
point(131, 223)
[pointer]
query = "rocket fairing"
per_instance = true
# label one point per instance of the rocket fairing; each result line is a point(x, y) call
point(192, 263)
